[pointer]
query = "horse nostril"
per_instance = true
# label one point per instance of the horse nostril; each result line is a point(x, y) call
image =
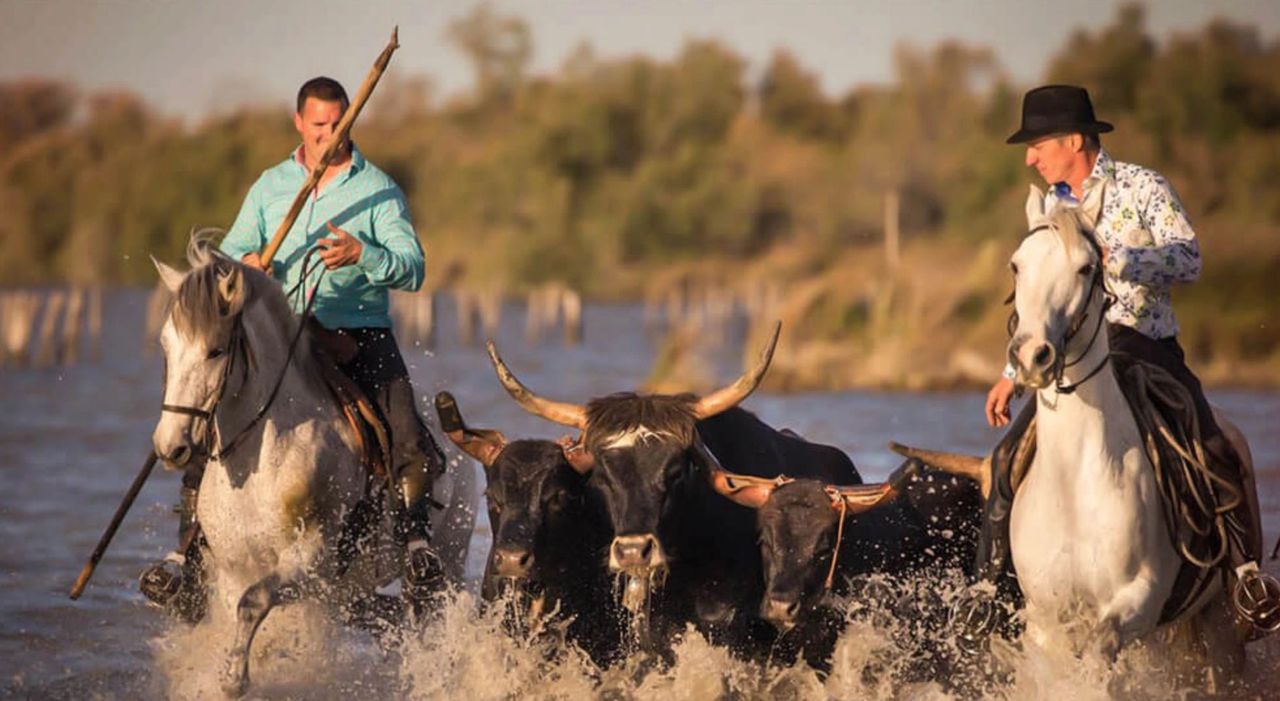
point(180, 455)
point(1043, 356)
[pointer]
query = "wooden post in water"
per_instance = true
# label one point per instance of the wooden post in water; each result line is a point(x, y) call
point(466, 304)
point(71, 326)
point(49, 348)
point(95, 322)
point(21, 307)
point(490, 306)
point(157, 304)
point(571, 308)
point(891, 232)
point(535, 315)
point(425, 313)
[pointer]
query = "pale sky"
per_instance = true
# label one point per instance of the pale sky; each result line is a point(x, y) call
point(189, 57)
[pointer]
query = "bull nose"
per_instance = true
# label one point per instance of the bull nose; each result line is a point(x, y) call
point(780, 612)
point(512, 561)
point(631, 552)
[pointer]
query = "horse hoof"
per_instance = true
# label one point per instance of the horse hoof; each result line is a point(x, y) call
point(974, 619)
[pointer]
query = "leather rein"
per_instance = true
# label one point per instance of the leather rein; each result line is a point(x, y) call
point(237, 344)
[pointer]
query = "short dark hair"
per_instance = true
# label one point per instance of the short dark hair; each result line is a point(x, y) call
point(1092, 142)
point(322, 88)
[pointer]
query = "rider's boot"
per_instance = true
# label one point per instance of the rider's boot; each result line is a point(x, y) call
point(424, 576)
point(176, 582)
point(983, 610)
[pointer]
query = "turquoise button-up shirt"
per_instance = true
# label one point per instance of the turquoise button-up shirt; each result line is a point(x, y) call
point(363, 201)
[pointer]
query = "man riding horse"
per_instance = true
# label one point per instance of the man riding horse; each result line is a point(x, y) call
point(371, 247)
point(1147, 246)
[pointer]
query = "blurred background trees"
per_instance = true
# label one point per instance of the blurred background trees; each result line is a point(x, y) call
point(615, 169)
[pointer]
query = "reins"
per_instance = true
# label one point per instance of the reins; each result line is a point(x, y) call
point(835, 553)
point(238, 341)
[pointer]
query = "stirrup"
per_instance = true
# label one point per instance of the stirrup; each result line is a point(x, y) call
point(161, 582)
point(1256, 597)
point(974, 619)
point(423, 571)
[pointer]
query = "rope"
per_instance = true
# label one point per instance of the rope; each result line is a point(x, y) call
point(835, 553)
point(1198, 504)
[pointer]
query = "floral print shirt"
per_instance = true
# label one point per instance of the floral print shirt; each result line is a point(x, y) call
point(1151, 243)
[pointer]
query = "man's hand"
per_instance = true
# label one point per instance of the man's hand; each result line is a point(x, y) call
point(341, 250)
point(254, 260)
point(998, 402)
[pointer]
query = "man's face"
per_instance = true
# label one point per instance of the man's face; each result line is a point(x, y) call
point(316, 123)
point(1053, 156)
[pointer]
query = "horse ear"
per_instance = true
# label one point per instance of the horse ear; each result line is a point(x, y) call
point(231, 291)
point(169, 277)
point(1035, 206)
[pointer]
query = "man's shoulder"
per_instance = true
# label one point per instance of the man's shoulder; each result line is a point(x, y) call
point(377, 178)
point(1138, 176)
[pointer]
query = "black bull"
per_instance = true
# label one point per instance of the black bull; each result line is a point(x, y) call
point(549, 531)
point(651, 457)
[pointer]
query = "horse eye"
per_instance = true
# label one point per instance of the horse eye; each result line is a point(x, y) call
point(1086, 269)
point(1014, 268)
point(216, 353)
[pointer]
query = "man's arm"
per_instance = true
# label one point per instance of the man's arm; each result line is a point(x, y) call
point(1175, 255)
point(249, 232)
point(394, 257)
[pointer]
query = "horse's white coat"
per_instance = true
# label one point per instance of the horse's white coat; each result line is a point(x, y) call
point(1087, 529)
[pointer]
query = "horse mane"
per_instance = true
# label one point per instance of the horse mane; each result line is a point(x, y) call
point(198, 311)
point(1068, 219)
point(671, 414)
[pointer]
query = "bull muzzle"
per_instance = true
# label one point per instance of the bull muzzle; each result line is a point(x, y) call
point(512, 562)
point(781, 613)
point(636, 552)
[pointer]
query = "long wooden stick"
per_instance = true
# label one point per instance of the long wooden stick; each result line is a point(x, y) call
point(335, 144)
point(83, 580)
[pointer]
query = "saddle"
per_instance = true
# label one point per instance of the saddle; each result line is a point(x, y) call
point(1199, 505)
point(371, 432)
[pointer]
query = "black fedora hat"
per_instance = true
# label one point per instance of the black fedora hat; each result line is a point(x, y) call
point(1057, 109)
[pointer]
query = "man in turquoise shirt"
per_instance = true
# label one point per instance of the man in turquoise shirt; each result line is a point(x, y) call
point(360, 220)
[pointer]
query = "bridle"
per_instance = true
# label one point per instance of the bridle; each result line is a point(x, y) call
point(237, 344)
point(1096, 284)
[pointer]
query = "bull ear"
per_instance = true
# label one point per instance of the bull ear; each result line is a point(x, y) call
point(576, 454)
point(1035, 207)
point(751, 492)
point(169, 277)
point(482, 444)
point(231, 291)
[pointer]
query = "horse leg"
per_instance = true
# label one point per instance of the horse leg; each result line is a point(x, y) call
point(256, 602)
point(1132, 610)
point(1221, 643)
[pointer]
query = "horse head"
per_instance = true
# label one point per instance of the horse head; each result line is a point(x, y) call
point(1057, 286)
point(203, 338)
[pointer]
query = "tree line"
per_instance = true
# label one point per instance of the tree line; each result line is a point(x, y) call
point(612, 170)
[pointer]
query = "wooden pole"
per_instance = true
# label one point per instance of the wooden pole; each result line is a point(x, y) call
point(83, 580)
point(336, 143)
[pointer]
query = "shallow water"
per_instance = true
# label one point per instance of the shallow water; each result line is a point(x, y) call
point(71, 440)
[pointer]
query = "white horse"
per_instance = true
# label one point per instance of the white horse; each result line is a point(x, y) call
point(279, 483)
point(1088, 532)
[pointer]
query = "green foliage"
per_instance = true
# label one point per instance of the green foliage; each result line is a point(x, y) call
point(612, 169)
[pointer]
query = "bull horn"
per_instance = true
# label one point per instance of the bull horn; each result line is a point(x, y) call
point(970, 466)
point(560, 412)
point(745, 490)
point(731, 396)
point(862, 498)
point(482, 444)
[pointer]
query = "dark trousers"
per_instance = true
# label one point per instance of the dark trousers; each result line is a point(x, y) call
point(416, 459)
point(1127, 346)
